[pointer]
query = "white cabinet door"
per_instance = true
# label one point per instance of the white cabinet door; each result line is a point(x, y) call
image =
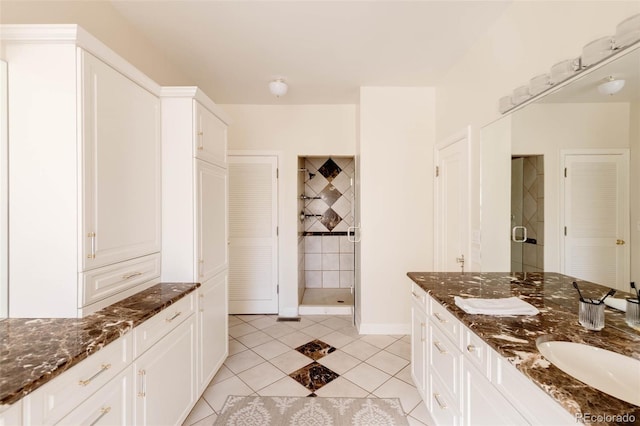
point(212, 329)
point(166, 378)
point(120, 168)
point(211, 211)
point(111, 405)
point(483, 404)
point(211, 136)
point(418, 353)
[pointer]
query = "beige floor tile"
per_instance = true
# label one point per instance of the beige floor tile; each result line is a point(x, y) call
point(378, 340)
point(241, 329)
point(394, 388)
point(254, 339)
point(223, 374)
point(405, 375)
point(337, 323)
point(284, 387)
point(337, 339)
point(295, 339)
point(233, 320)
point(342, 387)
point(414, 422)
point(317, 330)
point(400, 348)
point(387, 362)
point(350, 331)
point(367, 377)
point(264, 322)
point(243, 361)
point(201, 410)
point(251, 317)
point(207, 421)
point(361, 350)
point(217, 394)
point(271, 349)
point(278, 330)
point(290, 361)
point(236, 347)
point(303, 323)
point(261, 375)
point(339, 361)
point(406, 338)
point(421, 414)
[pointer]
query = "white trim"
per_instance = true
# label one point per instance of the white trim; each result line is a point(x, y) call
point(325, 310)
point(401, 328)
point(196, 93)
point(288, 312)
point(75, 34)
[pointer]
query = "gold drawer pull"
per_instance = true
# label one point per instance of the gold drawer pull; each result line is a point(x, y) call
point(103, 368)
point(440, 348)
point(173, 317)
point(143, 383)
point(442, 320)
point(471, 348)
point(441, 403)
point(131, 275)
point(416, 296)
point(103, 412)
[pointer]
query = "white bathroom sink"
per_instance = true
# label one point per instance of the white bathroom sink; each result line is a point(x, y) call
point(609, 372)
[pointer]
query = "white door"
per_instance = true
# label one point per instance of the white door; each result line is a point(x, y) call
point(253, 234)
point(596, 217)
point(451, 216)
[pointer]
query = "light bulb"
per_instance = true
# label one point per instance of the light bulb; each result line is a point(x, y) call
point(278, 87)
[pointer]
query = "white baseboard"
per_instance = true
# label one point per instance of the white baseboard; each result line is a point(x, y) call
point(365, 328)
point(288, 312)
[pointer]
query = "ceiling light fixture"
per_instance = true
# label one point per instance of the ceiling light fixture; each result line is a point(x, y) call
point(278, 87)
point(611, 86)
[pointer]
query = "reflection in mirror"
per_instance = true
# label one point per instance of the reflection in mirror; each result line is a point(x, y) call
point(4, 204)
point(591, 216)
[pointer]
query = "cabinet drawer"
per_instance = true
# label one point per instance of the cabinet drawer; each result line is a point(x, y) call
point(12, 415)
point(445, 360)
point(54, 400)
point(152, 330)
point(444, 409)
point(419, 296)
point(111, 405)
point(475, 350)
point(210, 136)
point(445, 320)
point(103, 282)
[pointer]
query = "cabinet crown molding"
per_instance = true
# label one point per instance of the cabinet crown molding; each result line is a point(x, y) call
point(196, 93)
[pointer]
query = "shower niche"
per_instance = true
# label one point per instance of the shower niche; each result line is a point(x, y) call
point(325, 251)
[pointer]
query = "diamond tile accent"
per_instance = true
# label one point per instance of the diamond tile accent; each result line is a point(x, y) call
point(314, 376)
point(330, 194)
point(330, 219)
point(315, 349)
point(329, 170)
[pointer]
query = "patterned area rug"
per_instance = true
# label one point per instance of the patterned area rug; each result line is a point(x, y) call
point(304, 411)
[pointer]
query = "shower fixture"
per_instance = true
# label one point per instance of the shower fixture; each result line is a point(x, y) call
point(311, 175)
point(306, 197)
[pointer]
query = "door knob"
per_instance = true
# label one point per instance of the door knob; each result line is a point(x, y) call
point(620, 242)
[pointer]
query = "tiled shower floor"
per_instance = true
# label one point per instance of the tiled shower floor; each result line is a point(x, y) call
point(320, 355)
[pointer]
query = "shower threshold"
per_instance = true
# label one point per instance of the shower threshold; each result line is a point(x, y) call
point(326, 301)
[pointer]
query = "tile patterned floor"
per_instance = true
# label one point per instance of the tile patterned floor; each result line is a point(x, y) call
point(318, 356)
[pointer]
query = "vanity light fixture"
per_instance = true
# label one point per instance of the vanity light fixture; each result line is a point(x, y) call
point(611, 86)
point(278, 87)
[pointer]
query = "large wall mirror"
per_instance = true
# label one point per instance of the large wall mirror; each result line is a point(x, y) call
point(4, 200)
point(559, 180)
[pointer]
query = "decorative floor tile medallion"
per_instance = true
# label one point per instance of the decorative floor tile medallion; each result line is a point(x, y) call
point(315, 349)
point(314, 376)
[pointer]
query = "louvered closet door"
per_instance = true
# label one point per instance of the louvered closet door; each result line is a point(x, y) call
point(253, 242)
point(596, 216)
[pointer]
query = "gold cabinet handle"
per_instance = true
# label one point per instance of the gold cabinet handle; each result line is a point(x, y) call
point(620, 242)
point(200, 142)
point(143, 383)
point(173, 317)
point(92, 253)
point(440, 348)
point(103, 368)
point(103, 412)
point(441, 403)
point(131, 275)
point(471, 348)
point(442, 320)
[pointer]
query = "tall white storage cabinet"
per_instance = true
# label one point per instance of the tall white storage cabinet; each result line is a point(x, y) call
point(84, 173)
point(194, 221)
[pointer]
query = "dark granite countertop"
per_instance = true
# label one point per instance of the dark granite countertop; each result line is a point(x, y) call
point(35, 350)
point(515, 337)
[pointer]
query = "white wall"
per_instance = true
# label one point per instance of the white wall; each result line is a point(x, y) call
point(293, 131)
point(102, 21)
point(527, 40)
point(397, 137)
point(634, 195)
point(546, 129)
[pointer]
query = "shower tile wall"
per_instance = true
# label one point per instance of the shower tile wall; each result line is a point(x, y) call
point(533, 212)
point(328, 255)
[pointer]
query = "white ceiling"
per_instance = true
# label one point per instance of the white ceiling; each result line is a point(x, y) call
point(325, 50)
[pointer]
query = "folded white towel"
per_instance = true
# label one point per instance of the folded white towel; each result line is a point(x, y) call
point(498, 307)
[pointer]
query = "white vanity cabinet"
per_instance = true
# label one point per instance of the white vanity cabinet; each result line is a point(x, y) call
point(465, 382)
point(194, 221)
point(84, 144)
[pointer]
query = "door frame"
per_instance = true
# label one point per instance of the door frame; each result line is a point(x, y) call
point(625, 152)
point(462, 136)
point(282, 310)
